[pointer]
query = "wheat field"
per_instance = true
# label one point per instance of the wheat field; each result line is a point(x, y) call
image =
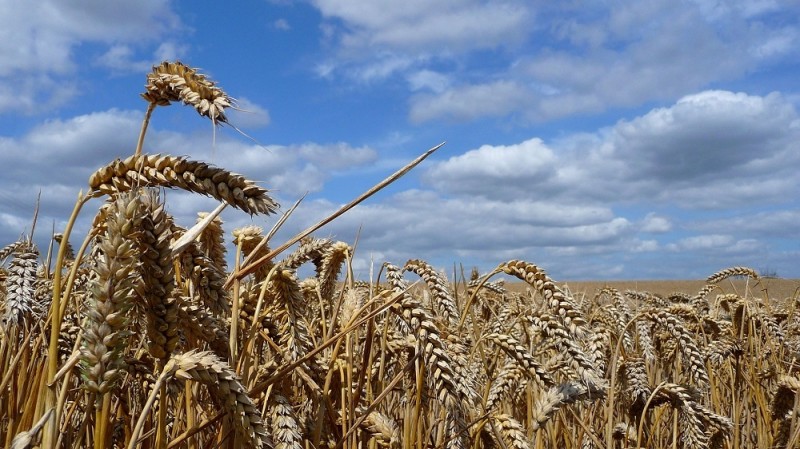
point(148, 336)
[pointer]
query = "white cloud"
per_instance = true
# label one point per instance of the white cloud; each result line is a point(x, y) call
point(714, 149)
point(428, 80)
point(416, 24)
point(505, 171)
point(716, 242)
point(464, 103)
point(655, 224)
point(581, 196)
point(37, 43)
point(551, 61)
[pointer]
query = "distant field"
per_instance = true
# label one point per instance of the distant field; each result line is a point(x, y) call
point(773, 288)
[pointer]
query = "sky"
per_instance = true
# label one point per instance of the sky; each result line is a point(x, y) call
point(647, 139)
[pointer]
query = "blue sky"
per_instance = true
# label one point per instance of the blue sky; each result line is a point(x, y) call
point(641, 139)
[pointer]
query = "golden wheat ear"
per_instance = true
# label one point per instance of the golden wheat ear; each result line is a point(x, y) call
point(174, 81)
point(178, 172)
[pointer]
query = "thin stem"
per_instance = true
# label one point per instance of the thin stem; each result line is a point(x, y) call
point(51, 427)
point(249, 268)
point(150, 108)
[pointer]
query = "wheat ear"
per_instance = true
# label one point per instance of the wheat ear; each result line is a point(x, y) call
point(178, 172)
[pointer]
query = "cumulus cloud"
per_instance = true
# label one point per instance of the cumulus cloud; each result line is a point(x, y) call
point(550, 61)
point(588, 197)
point(469, 102)
point(655, 224)
point(38, 41)
point(424, 24)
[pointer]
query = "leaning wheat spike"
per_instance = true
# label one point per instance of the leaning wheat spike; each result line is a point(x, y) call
point(511, 431)
point(249, 237)
point(21, 287)
point(646, 298)
point(700, 300)
point(691, 353)
point(111, 295)
point(178, 172)
point(558, 302)
point(783, 400)
point(394, 277)
point(719, 350)
point(717, 425)
point(689, 422)
point(309, 249)
point(510, 378)
point(730, 272)
point(495, 287)
point(204, 326)
point(438, 286)
point(331, 263)
point(621, 314)
point(598, 345)
point(449, 389)
point(522, 356)
point(225, 388)
point(781, 407)
point(383, 429)
point(557, 397)
point(207, 282)
point(20, 246)
point(158, 291)
point(174, 81)
point(582, 364)
point(212, 242)
point(415, 319)
point(456, 428)
point(285, 428)
point(459, 347)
